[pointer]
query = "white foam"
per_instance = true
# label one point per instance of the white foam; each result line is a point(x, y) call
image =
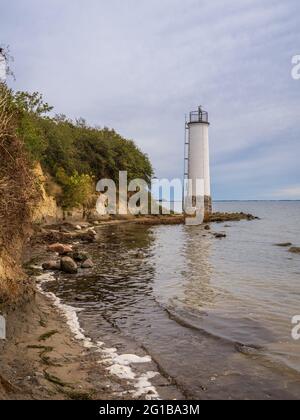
point(127, 359)
point(144, 387)
point(117, 365)
point(121, 371)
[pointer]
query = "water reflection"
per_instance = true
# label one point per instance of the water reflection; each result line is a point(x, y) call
point(197, 282)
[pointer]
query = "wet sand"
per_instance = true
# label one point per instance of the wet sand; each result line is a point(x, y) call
point(58, 367)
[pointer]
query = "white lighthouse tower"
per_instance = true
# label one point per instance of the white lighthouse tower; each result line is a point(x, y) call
point(197, 167)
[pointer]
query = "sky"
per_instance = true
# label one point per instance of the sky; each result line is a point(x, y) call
point(139, 66)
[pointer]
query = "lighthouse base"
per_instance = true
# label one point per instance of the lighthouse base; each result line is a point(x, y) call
point(207, 206)
point(198, 217)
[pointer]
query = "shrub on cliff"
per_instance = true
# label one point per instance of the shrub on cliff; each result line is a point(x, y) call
point(75, 148)
point(78, 190)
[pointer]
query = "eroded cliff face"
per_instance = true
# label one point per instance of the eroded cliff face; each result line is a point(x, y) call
point(46, 208)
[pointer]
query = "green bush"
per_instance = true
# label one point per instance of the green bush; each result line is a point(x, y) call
point(73, 153)
point(77, 189)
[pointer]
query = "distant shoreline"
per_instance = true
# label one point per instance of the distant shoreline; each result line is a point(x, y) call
point(256, 201)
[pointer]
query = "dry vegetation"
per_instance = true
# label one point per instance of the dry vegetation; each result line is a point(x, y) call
point(16, 195)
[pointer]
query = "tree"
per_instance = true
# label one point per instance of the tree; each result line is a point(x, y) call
point(5, 53)
point(31, 108)
point(78, 190)
point(75, 148)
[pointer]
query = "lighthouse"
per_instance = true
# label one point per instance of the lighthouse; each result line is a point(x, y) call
point(197, 166)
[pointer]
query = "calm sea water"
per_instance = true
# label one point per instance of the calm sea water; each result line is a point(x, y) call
point(215, 315)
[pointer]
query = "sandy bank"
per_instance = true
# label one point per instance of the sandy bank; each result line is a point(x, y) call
point(41, 359)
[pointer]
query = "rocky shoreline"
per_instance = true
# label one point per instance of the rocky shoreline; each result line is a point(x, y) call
point(41, 358)
point(64, 239)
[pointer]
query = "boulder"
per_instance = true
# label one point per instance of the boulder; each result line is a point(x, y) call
point(220, 235)
point(78, 227)
point(89, 236)
point(68, 265)
point(295, 250)
point(80, 256)
point(87, 264)
point(67, 249)
point(51, 265)
point(60, 248)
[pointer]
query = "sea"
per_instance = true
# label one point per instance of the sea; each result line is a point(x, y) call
point(217, 316)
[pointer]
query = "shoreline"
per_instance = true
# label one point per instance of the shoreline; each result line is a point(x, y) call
point(49, 368)
point(46, 355)
point(65, 364)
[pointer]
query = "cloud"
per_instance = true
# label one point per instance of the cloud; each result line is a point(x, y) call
point(139, 66)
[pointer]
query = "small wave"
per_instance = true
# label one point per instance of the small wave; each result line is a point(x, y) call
point(228, 330)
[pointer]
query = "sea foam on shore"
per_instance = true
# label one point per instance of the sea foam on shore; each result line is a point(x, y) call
point(117, 365)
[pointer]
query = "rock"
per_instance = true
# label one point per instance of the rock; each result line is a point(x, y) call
point(68, 227)
point(247, 350)
point(80, 256)
point(64, 229)
point(80, 298)
point(295, 250)
point(140, 255)
point(85, 225)
point(229, 217)
point(207, 227)
point(93, 231)
point(87, 264)
point(284, 244)
point(78, 227)
point(68, 265)
point(51, 265)
point(220, 235)
point(67, 249)
point(89, 236)
point(60, 248)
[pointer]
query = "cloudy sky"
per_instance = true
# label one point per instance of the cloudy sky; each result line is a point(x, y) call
point(139, 66)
